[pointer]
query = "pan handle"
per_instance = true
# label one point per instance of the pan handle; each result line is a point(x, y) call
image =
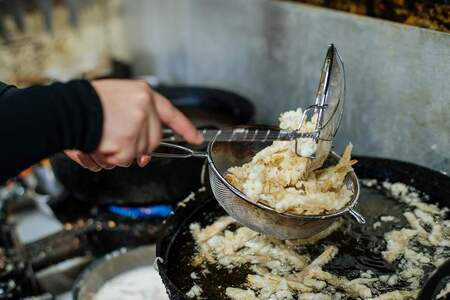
point(184, 152)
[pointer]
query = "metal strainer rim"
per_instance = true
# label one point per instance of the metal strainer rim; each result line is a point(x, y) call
point(348, 207)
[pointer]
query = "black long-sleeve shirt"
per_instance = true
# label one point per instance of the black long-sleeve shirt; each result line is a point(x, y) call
point(39, 121)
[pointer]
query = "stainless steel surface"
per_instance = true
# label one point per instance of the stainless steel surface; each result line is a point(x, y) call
point(183, 152)
point(95, 276)
point(242, 135)
point(357, 216)
point(397, 93)
point(329, 105)
point(330, 95)
point(255, 215)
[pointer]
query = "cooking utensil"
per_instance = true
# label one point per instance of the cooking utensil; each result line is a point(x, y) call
point(329, 105)
point(328, 109)
point(361, 248)
point(258, 216)
point(234, 135)
point(231, 135)
point(101, 271)
point(234, 147)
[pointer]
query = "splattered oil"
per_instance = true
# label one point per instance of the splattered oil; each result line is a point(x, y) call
point(360, 249)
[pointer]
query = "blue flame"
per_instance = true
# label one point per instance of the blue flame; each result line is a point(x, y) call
point(147, 212)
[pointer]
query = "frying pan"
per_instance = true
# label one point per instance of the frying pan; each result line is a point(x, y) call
point(176, 246)
point(163, 180)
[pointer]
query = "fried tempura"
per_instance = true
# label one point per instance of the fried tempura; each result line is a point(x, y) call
point(278, 177)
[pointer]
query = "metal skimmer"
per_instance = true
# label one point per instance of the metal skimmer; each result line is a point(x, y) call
point(328, 108)
point(234, 147)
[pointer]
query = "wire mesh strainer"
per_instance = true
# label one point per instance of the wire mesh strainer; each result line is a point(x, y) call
point(234, 147)
point(258, 216)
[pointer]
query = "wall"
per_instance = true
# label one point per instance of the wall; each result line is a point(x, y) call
point(398, 77)
point(37, 56)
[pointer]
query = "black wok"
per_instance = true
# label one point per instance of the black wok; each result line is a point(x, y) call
point(176, 245)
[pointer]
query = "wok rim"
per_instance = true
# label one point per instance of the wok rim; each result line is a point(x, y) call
point(79, 285)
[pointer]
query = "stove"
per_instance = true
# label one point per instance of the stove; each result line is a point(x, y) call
point(41, 255)
point(56, 218)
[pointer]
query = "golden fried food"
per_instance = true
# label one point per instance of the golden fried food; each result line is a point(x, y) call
point(278, 177)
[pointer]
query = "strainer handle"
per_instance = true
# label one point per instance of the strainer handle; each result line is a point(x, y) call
point(185, 152)
point(357, 216)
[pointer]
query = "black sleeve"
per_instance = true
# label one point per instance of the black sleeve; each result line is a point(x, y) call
point(39, 121)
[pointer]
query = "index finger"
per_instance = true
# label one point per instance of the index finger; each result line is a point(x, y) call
point(176, 120)
point(83, 160)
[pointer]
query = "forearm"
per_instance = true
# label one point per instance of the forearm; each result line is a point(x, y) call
point(39, 121)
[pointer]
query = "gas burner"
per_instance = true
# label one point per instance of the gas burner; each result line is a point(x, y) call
point(85, 232)
point(55, 221)
point(141, 213)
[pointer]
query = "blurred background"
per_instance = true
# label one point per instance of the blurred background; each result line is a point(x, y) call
point(223, 62)
point(43, 41)
point(269, 51)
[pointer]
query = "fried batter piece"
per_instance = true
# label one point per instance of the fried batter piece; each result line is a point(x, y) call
point(278, 271)
point(278, 177)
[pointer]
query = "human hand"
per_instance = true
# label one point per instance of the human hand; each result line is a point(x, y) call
point(132, 117)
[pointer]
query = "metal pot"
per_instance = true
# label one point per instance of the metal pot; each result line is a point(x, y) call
point(101, 271)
